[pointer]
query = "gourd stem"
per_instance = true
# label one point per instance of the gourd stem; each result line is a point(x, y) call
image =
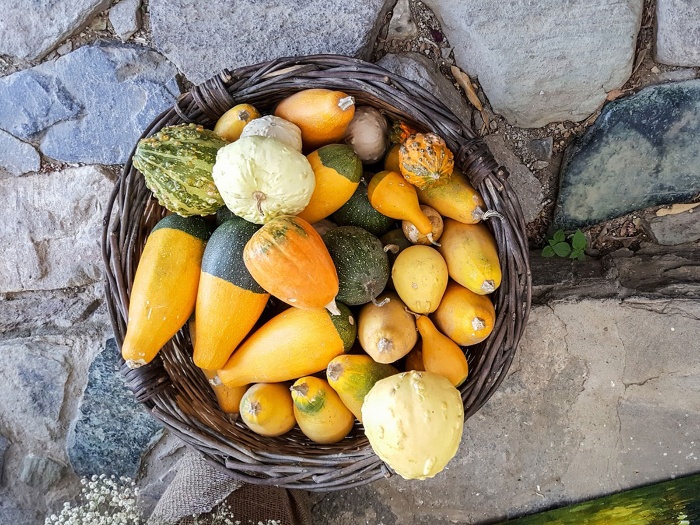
point(215, 381)
point(393, 248)
point(345, 102)
point(433, 242)
point(259, 197)
point(414, 314)
point(478, 323)
point(488, 286)
point(334, 370)
point(478, 213)
point(382, 303)
point(492, 213)
point(333, 308)
point(301, 389)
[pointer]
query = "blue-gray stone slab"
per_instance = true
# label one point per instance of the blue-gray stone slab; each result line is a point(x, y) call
point(91, 105)
point(16, 156)
point(642, 151)
point(112, 431)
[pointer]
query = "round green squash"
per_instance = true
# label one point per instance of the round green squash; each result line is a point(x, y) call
point(357, 211)
point(361, 263)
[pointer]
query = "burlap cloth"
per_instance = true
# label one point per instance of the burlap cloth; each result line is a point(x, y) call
point(201, 490)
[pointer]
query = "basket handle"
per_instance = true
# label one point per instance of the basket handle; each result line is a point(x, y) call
point(478, 163)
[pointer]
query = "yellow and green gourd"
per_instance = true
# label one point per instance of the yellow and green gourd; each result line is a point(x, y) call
point(319, 411)
point(177, 165)
point(165, 285)
point(229, 301)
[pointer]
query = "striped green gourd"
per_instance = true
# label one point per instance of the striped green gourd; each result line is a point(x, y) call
point(177, 163)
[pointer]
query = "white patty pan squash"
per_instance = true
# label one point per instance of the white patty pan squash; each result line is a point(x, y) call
point(414, 422)
point(261, 178)
point(275, 127)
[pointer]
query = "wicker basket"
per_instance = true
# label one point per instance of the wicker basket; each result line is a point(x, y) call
point(176, 392)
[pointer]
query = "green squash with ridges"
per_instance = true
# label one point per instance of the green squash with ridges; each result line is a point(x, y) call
point(361, 263)
point(177, 165)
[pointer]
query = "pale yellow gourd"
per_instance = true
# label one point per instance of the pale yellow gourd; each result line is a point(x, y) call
point(276, 128)
point(420, 277)
point(414, 422)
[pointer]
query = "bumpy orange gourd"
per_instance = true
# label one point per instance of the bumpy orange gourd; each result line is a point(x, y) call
point(441, 355)
point(391, 195)
point(322, 115)
point(465, 317)
point(289, 260)
point(425, 160)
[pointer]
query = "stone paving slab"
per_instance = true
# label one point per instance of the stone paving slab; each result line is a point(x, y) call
point(602, 396)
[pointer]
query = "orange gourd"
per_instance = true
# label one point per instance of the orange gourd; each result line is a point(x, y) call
point(288, 259)
point(322, 115)
point(425, 160)
point(414, 359)
point(391, 195)
point(228, 397)
point(441, 355)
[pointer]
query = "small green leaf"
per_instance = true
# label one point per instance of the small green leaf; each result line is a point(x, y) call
point(575, 253)
point(559, 236)
point(581, 257)
point(547, 251)
point(552, 242)
point(579, 240)
point(562, 249)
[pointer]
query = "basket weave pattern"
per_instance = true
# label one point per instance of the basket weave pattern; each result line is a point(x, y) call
point(175, 390)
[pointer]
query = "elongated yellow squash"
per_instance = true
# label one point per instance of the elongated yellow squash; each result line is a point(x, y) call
point(292, 344)
point(165, 285)
point(454, 198)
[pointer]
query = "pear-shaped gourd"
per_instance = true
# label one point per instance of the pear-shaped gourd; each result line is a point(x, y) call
point(320, 413)
point(390, 194)
point(441, 355)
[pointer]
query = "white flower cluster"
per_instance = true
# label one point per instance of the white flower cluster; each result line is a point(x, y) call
point(107, 501)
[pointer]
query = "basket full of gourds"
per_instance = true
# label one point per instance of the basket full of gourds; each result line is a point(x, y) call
point(315, 273)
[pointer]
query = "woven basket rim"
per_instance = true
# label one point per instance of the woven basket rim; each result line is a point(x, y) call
point(176, 392)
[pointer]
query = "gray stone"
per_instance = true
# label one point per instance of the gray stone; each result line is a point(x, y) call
point(540, 165)
point(547, 61)
point(52, 229)
point(50, 311)
point(242, 33)
point(401, 25)
point(675, 229)
point(10, 513)
point(541, 148)
point(17, 157)
point(40, 472)
point(641, 151)
point(32, 384)
point(4, 445)
point(601, 396)
point(125, 18)
point(426, 74)
point(678, 32)
point(526, 186)
point(91, 104)
point(31, 31)
point(112, 431)
point(678, 75)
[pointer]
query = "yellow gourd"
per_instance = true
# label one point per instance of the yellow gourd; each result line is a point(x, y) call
point(465, 317)
point(352, 376)
point(454, 198)
point(391, 161)
point(471, 255)
point(390, 194)
point(441, 355)
point(231, 124)
point(420, 277)
point(165, 285)
point(414, 359)
point(267, 409)
point(229, 398)
point(388, 332)
point(292, 344)
point(320, 413)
